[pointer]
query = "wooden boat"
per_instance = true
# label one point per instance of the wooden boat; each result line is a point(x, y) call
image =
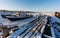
point(16, 17)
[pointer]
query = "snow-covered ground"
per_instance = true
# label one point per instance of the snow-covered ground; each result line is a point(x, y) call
point(22, 22)
point(19, 23)
point(55, 19)
point(56, 26)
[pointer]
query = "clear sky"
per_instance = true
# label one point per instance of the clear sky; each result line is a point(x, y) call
point(30, 5)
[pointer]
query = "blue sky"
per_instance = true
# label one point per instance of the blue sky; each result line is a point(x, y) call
point(30, 5)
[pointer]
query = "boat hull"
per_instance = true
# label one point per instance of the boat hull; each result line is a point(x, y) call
point(15, 18)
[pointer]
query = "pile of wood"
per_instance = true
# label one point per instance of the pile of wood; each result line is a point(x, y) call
point(57, 14)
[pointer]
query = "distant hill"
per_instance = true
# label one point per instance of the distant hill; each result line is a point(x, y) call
point(6, 11)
